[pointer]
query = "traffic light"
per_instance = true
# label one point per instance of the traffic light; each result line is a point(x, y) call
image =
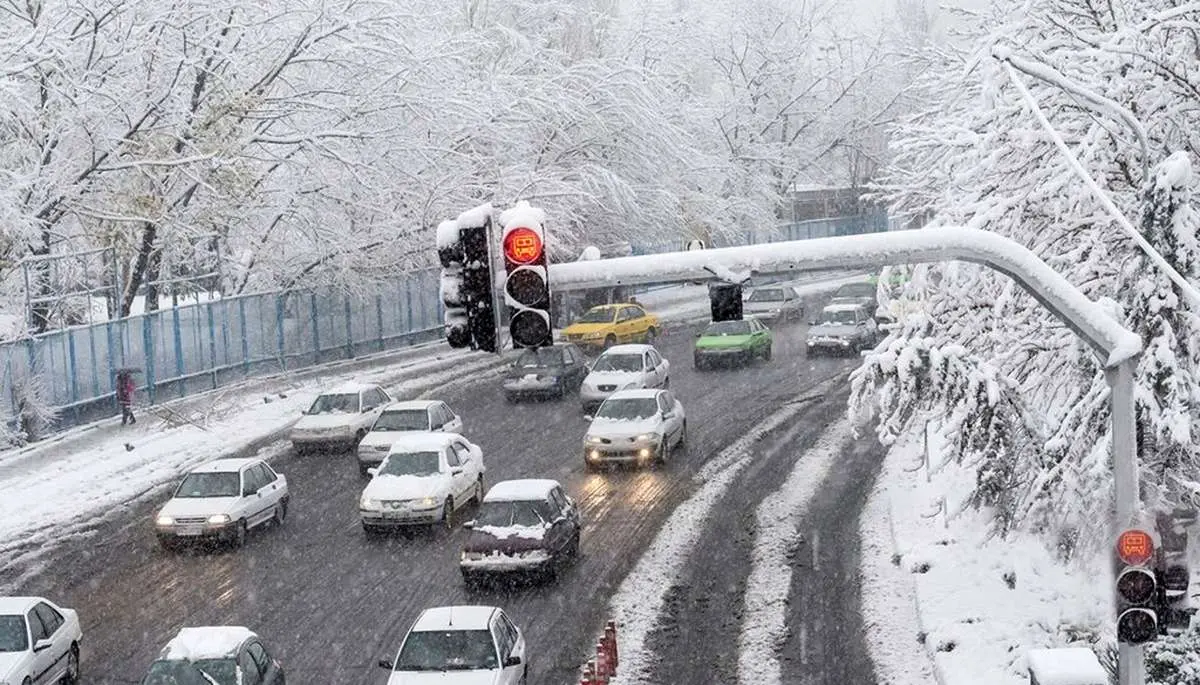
point(1137, 587)
point(450, 253)
point(477, 279)
point(1174, 608)
point(726, 301)
point(527, 278)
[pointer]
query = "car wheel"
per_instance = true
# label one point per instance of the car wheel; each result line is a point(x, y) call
point(666, 382)
point(664, 453)
point(280, 512)
point(767, 353)
point(448, 513)
point(683, 436)
point(510, 398)
point(610, 341)
point(573, 547)
point(478, 496)
point(651, 334)
point(168, 544)
point(358, 437)
point(699, 364)
point(239, 533)
point(72, 675)
point(589, 467)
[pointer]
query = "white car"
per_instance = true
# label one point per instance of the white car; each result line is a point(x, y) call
point(424, 479)
point(339, 418)
point(221, 500)
point(215, 655)
point(635, 427)
point(39, 642)
point(624, 367)
point(460, 645)
point(399, 418)
point(774, 302)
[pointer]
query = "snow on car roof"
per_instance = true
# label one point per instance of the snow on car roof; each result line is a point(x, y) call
point(17, 605)
point(410, 404)
point(635, 393)
point(629, 348)
point(842, 307)
point(520, 490)
point(421, 440)
point(454, 618)
point(349, 388)
point(226, 465)
point(206, 642)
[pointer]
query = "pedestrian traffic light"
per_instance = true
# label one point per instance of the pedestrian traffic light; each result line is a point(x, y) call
point(527, 277)
point(474, 232)
point(1137, 587)
point(450, 253)
point(1174, 607)
point(725, 300)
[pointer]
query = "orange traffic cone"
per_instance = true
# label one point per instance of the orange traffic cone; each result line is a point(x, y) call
point(603, 667)
point(610, 634)
point(589, 674)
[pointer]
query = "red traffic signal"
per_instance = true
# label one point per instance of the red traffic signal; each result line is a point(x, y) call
point(522, 245)
point(1135, 547)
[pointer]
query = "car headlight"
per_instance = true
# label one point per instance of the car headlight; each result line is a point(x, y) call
point(471, 556)
point(219, 519)
point(164, 521)
point(648, 437)
point(424, 502)
point(845, 343)
point(368, 503)
point(593, 439)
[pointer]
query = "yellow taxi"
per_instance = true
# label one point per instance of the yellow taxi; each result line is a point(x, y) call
point(609, 324)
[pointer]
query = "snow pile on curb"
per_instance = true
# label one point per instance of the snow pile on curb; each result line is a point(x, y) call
point(638, 602)
point(980, 602)
point(764, 620)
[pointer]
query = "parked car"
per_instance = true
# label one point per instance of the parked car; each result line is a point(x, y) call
point(215, 655)
point(398, 418)
point(724, 342)
point(39, 642)
point(479, 644)
point(635, 427)
point(864, 293)
point(553, 371)
point(610, 324)
point(424, 479)
point(774, 302)
point(339, 418)
point(522, 526)
point(624, 367)
point(842, 328)
point(222, 500)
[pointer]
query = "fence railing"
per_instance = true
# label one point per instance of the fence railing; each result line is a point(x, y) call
point(203, 345)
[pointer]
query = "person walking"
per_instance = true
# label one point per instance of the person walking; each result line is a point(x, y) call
point(125, 389)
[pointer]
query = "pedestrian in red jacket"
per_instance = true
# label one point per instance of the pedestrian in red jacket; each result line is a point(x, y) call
point(125, 389)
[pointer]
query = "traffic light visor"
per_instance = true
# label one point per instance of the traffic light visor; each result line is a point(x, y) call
point(1135, 547)
point(522, 246)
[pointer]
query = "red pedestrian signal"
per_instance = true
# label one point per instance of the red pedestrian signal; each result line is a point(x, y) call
point(522, 245)
point(1135, 547)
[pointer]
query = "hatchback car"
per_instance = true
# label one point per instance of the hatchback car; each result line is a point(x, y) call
point(339, 418)
point(398, 418)
point(39, 642)
point(222, 500)
point(606, 325)
point(424, 479)
point(215, 655)
point(843, 328)
point(624, 367)
point(546, 371)
point(774, 302)
point(463, 645)
point(724, 342)
point(635, 427)
point(527, 525)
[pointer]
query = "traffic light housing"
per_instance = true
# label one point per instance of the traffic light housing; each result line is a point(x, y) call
point(1137, 587)
point(527, 276)
point(1174, 576)
point(450, 287)
point(464, 249)
point(725, 300)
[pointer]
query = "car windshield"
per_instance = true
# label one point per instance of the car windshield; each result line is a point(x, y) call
point(341, 403)
point(410, 464)
point(209, 485)
point(402, 420)
point(628, 409)
point(598, 315)
point(768, 295)
point(448, 650)
point(618, 362)
point(179, 672)
point(728, 328)
point(505, 514)
point(843, 316)
point(540, 358)
point(12, 634)
point(856, 290)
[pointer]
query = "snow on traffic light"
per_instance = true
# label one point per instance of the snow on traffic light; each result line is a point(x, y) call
point(527, 279)
point(464, 249)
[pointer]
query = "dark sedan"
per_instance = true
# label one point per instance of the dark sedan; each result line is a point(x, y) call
point(523, 526)
point(546, 372)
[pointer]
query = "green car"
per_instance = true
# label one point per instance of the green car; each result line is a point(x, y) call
point(724, 342)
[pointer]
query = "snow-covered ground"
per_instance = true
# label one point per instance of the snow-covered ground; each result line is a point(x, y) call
point(937, 585)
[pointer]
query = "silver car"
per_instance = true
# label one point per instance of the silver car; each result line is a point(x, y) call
point(635, 427)
point(774, 302)
point(623, 367)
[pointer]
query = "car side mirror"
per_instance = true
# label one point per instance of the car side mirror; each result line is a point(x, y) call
point(513, 660)
point(668, 415)
point(812, 323)
point(469, 525)
point(386, 663)
point(373, 471)
point(455, 472)
point(587, 417)
point(43, 644)
point(247, 491)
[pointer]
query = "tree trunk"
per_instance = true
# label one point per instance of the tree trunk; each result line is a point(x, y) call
point(140, 267)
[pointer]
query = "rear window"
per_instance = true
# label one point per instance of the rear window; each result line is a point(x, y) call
point(540, 357)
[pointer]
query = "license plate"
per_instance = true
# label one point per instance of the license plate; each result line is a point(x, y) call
point(189, 530)
point(395, 514)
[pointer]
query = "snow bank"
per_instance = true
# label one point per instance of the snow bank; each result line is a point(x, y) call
point(982, 603)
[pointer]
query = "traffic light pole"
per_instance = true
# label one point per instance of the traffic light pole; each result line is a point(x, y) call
point(1131, 662)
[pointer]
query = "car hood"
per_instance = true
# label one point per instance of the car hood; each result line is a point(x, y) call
point(715, 342)
point(407, 487)
point(585, 328)
point(374, 438)
point(444, 678)
point(198, 506)
point(506, 539)
point(618, 378)
point(308, 421)
point(828, 330)
point(610, 428)
point(9, 662)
